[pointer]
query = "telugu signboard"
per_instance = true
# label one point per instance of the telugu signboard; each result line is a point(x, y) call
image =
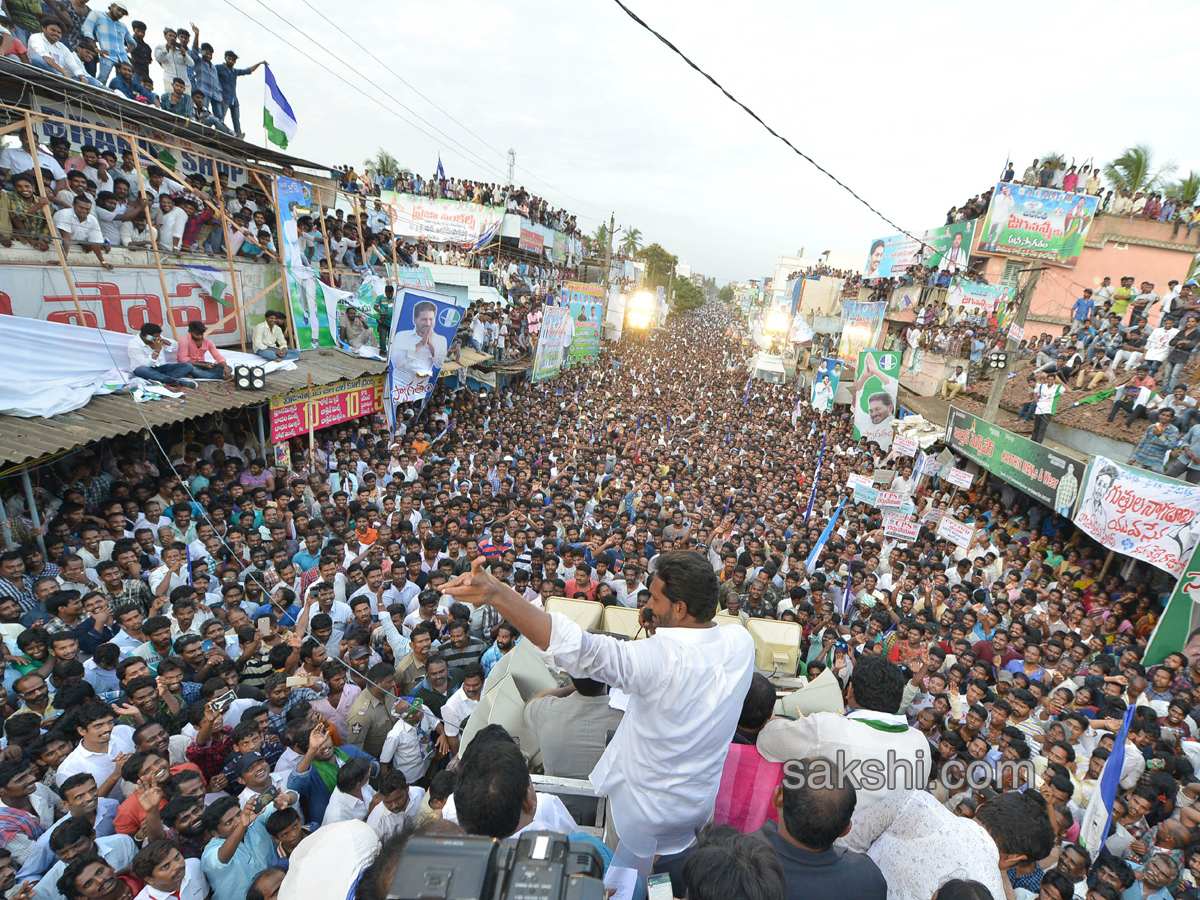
point(1037, 223)
point(455, 221)
point(955, 531)
point(1050, 477)
point(1149, 517)
point(902, 527)
point(531, 241)
point(944, 247)
point(329, 404)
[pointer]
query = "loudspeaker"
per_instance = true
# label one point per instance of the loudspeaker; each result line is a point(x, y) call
point(249, 378)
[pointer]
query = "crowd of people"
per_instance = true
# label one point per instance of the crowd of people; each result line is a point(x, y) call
point(220, 668)
point(95, 47)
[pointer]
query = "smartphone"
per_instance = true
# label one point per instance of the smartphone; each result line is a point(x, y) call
point(260, 802)
point(207, 645)
point(264, 626)
point(222, 702)
point(659, 887)
point(297, 681)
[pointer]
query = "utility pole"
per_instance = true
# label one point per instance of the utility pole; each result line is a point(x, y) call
point(670, 288)
point(512, 165)
point(612, 223)
point(1010, 346)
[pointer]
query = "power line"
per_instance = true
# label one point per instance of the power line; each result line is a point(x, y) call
point(470, 154)
point(755, 116)
point(359, 44)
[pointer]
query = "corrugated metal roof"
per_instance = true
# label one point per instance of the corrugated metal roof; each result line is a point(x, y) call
point(467, 357)
point(113, 415)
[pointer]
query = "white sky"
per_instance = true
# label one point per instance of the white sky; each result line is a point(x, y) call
point(916, 112)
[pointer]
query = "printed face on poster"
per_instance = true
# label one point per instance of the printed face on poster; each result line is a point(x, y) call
point(423, 329)
point(875, 394)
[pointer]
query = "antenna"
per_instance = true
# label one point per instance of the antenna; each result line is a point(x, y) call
point(512, 165)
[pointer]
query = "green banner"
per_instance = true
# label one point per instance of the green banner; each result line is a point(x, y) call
point(1049, 477)
point(1180, 618)
point(875, 390)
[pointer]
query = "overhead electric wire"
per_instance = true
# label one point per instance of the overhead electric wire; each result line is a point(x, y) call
point(469, 153)
point(358, 42)
point(757, 118)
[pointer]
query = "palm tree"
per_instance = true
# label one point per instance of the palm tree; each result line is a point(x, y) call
point(1134, 170)
point(601, 235)
point(383, 163)
point(632, 242)
point(1186, 189)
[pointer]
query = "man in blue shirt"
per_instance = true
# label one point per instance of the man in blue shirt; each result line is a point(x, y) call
point(1082, 310)
point(228, 77)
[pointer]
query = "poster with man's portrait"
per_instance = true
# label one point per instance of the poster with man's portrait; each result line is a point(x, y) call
point(423, 329)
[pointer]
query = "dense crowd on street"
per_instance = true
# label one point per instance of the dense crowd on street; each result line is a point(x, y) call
point(244, 679)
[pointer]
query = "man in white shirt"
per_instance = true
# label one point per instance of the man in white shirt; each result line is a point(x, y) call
point(462, 703)
point(954, 384)
point(685, 684)
point(47, 51)
point(909, 833)
point(173, 221)
point(77, 226)
point(410, 743)
point(18, 160)
point(872, 733)
point(269, 341)
point(148, 358)
point(102, 742)
point(415, 353)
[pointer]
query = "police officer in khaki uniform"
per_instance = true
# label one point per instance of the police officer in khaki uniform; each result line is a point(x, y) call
point(370, 717)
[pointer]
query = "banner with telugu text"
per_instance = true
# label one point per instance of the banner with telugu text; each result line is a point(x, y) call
point(586, 303)
point(1037, 223)
point(977, 296)
point(877, 382)
point(1135, 512)
point(1049, 477)
point(456, 221)
point(944, 247)
point(861, 323)
point(553, 339)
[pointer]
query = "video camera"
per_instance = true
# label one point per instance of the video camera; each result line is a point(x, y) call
point(539, 865)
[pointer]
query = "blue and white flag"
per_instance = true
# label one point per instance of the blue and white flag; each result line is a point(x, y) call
point(816, 477)
point(811, 564)
point(1098, 817)
point(278, 118)
point(441, 173)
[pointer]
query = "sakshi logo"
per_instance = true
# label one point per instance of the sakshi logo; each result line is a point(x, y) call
point(449, 317)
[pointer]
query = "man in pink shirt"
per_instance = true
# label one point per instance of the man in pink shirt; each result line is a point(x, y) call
point(196, 349)
point(582, 583)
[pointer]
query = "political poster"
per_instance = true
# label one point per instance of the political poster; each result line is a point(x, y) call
point(414, 276)
point(1050, 477)
point(959, 477)
point(889, 499)
point(875, 392)
point(316, 319)
point(825, 385)
point(423, 329)
point(1037, 223)
point(1178, 628)
point(867, 495)
point(531, 241)
point(955, 532)
point(854, 480)
point(1135, 512)
point(553, 340)
point(455, 221)
point(944, 247)
point(900, 526)
point(586, 303)
point(861, 323)
point(977, 297)
point(903, 446)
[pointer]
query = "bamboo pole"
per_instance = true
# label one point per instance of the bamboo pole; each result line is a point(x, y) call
point(55, 239)
point(238, 305)
point(162, 278)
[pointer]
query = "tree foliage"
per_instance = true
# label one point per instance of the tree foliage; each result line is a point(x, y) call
point(1134, 170)
point(725, 294)
point(659, 265)
point(384, 163)
point(1187, 188)
point(632, 242)
point(687, 295)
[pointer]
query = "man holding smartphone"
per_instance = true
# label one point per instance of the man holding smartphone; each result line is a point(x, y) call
point(147, 358)
point(686, 684)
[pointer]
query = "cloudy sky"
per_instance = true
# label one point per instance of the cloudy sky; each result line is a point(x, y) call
point(917, 114)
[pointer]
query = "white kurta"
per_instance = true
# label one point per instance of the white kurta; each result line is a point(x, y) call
point(663, 766)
